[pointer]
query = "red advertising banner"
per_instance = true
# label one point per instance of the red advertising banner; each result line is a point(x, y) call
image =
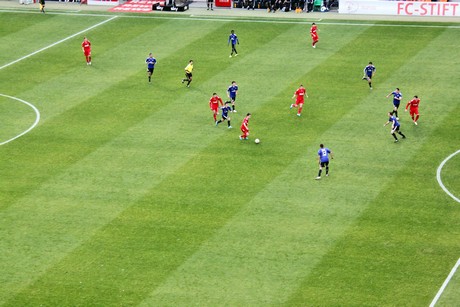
point(224, 3)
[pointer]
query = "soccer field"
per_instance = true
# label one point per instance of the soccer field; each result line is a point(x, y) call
point(120, 192)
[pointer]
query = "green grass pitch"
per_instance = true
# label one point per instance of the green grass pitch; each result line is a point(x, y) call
point(126, 193)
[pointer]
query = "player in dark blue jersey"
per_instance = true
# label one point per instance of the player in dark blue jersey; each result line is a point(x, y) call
point(395, 126)
point(151, 61)
point(397, 97)
point(233, 39)
point(323, 160)
point(231, 93)
point(369, 72)
point(225, 117)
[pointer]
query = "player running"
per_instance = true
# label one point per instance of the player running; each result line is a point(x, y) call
point(214, 103)
point(225, 110)
point(299, 96)
point(151, 61)
point(233, 39)
point(245, 128)
point(397, 97)
point(395, 126)
point(314, 34)
point(323, 160)
point(413, 103)
point(369, 72)
point(86, 48)
point(188, 73)
point(231, 93)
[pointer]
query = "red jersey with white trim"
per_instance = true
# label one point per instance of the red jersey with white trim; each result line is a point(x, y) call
point(414, 103)
point(313, 30)
point(86, 45)
point(244, 125)
point(300, 94)
point(214, 102)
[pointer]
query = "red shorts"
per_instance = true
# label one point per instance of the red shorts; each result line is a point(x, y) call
point(413, 111)
point(87, 52)
point(214, 108)
point(314, 37)
point(299, 102)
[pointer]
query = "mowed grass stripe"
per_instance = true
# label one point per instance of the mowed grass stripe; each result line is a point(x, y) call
point(379, 261)
point(162, 199)
point(260, 256)
point(215, 272)
point(67, 192)
point(45, 30)
point(96, 97)
point(84, 191)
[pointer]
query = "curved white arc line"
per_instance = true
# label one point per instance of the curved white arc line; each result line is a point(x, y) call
point(438, 176)
point(37, 118)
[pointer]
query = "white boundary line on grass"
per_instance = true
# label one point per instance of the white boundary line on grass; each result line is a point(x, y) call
point(58, 42)
point(256, 19)
point(446, 282)
point(438, 176)
point(37, 118)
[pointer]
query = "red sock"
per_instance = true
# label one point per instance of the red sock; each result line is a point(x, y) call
point(416, 118)
point(215, 117)
point(300, 109)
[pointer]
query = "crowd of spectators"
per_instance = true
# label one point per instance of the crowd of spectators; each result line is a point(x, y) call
point(285, 5)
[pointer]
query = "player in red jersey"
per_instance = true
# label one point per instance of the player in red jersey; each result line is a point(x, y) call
point(244, 127)
point(299, 96)
point(314, 34)
point(414, 103)
point(214, 103)
point(86, 47)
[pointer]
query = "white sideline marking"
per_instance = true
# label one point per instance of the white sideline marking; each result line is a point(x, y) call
point(438, 176)
point(37, 118)
point(58, 42)
point(446, 282)
point(239, 19)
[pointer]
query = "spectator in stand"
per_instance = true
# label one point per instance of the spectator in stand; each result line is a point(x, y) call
point(210, 2)
point(42, 6)
point(268, 5)
point(300, 5)
point(331, 3)
point(309, 6)
point(287, 5)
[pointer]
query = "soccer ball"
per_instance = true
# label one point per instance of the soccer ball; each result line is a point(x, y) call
point(257, 141)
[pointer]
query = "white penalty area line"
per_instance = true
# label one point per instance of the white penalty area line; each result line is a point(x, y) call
point(438, 176)
point(58, 42)
point(446, 282)
point(37, 118)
